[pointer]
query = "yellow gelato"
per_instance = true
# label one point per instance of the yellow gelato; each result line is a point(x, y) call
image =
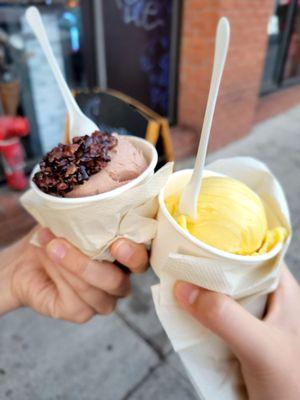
point(231, 217)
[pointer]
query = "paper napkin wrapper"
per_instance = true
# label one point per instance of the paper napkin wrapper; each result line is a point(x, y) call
point(93, 226)
point(212, 368)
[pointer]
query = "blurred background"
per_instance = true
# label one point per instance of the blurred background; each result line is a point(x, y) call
point(160, 53)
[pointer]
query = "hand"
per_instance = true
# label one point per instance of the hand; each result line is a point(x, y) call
point(268, 349)
point(59, 281)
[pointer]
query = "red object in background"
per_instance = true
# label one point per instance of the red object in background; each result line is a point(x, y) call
point(12, 156)
point(11, 150)
point(13, 126)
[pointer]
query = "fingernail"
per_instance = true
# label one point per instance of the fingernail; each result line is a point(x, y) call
point(56, 251)
point(187, 292)
point(123, 251)
point(44, 236)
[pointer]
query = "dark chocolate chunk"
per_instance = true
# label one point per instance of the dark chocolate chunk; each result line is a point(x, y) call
point(68, 165)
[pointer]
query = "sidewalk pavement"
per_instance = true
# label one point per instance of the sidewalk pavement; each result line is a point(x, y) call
point(127, 356)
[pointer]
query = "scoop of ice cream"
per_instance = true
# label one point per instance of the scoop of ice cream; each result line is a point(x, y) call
point(127, 163)
point(231, 217)
point(90, 165)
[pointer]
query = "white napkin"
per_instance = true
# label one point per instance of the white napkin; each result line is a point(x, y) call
point(212, 368)
point(93, 226)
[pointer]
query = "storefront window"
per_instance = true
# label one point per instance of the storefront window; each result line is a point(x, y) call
point(276, 26)
point(27, 87)
point(282, 63)
point(292, 65)
point(140, 49)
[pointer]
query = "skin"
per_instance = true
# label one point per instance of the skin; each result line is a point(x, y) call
point(268, 349)
point(59, 281)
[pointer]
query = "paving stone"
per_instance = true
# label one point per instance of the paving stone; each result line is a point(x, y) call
point(44, 359)
point(294, 113)
point(139, 312)
point(175, 362)
point(187, 163)
point(166, 382)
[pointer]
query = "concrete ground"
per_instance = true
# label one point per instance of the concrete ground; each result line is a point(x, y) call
point(127, 356)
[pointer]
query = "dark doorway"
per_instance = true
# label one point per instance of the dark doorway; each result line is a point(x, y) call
point(282, 64)
point(138, 50)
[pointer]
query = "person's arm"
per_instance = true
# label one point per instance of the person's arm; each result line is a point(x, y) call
point(269, 349)
point(58, 280)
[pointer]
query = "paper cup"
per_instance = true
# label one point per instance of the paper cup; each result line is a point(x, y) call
point(92, 223)
point(178, 256)
point(151, 156)
point(172, 238)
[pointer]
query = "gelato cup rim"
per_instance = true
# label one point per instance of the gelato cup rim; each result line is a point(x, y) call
point(141, 143)
point(213, 250)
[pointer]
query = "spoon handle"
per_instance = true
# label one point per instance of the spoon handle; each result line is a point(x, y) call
point(221, 48)
point(34, 19)
point(189, 198)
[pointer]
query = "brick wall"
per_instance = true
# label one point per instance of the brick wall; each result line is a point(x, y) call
point(241, 81)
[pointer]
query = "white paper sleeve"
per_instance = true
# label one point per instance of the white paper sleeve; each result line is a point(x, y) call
point(93, 226)
point(212, 368)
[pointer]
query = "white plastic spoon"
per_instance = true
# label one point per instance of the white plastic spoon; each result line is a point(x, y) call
point(79, 124)
point(189, 197)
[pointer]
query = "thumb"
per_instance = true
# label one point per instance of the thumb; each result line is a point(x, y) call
point(245, 334)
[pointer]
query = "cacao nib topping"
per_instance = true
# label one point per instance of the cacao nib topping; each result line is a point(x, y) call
point(68, 165)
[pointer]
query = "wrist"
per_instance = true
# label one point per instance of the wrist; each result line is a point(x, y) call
point(8, 301)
